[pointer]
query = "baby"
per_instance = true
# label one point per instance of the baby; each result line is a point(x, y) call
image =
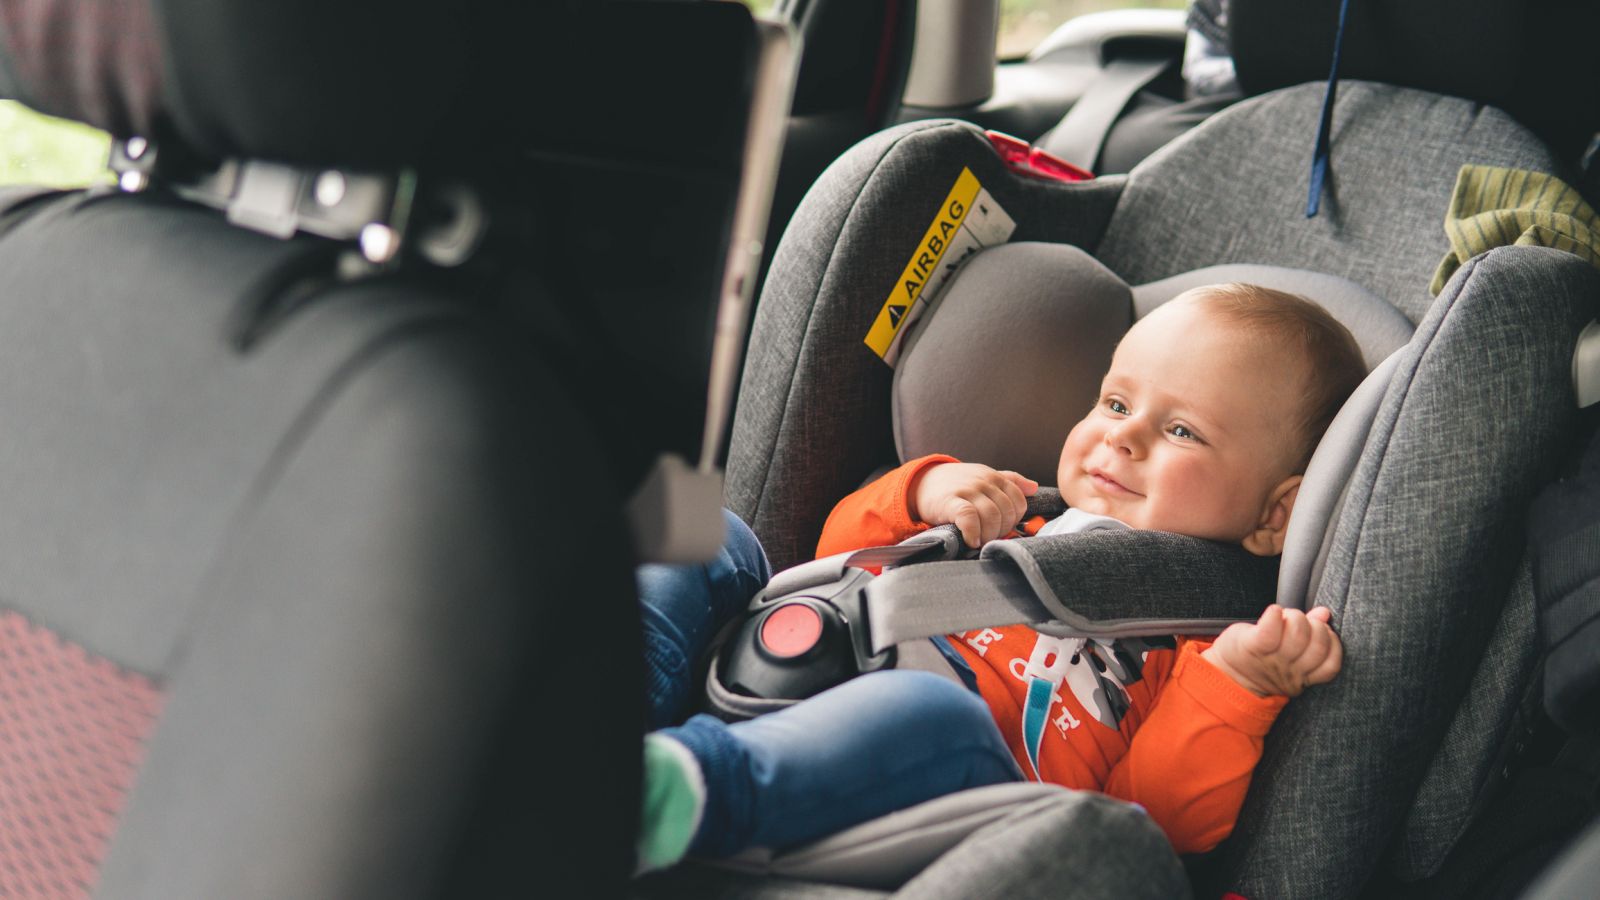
point(1205, 423)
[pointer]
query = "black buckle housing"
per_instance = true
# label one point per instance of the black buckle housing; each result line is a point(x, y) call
point(842, 648)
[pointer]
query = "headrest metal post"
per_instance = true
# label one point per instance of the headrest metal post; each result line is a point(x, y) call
point(134, 160)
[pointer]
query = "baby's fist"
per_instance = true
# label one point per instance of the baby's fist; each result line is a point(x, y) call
point(982, 502)
point(1282, 654)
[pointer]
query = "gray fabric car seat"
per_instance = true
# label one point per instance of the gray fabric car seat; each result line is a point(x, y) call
point(1371, 779)
point(282, 612)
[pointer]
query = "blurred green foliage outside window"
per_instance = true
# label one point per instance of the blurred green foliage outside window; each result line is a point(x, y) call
point(40, 149)
point(1024, 23)
point(761, 7)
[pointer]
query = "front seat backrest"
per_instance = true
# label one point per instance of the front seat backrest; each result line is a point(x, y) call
point(320, 614)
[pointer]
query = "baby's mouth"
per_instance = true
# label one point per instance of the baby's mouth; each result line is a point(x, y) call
point(1108, 485)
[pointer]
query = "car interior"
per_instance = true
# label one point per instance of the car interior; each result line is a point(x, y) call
point(343, 407)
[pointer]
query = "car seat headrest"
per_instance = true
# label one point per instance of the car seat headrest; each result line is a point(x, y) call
point(1377, 326)
point(1440, 47)
point(356, 82)
point(1012, 351)
point(1010, 355)
point(1323, 490)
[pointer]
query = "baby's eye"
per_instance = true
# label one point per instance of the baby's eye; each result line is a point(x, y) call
point(1117, 406)
point(1182, 431)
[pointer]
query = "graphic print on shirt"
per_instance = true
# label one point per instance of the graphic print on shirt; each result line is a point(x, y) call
point(980, 640)
point(1097, 672)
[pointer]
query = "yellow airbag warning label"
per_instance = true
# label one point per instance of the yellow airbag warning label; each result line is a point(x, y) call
point(967, 220)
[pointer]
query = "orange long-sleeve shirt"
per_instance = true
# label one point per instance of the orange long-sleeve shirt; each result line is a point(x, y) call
point(1153, 724)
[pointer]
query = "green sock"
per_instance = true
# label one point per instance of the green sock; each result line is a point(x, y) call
point(674, 798)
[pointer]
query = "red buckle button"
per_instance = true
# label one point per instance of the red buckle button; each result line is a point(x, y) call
point(1025, 159)
point(791, 630)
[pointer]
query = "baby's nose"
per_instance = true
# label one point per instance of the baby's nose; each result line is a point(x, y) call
point(1124, 437)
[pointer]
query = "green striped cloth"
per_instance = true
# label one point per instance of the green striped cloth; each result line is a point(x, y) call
point(1496, 207)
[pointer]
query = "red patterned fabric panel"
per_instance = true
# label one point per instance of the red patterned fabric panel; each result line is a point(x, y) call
point(72, 733)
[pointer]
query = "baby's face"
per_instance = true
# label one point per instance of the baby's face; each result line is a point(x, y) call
point(1194, 428)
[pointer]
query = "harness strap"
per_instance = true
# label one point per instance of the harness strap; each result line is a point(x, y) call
point(945, 597)
point(1102, 584)
point(941, 543)
point(1201, 588)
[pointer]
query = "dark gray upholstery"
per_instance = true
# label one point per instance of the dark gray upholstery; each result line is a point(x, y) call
point(327, 551)
point(1114, 851)
point(1470, 763)
point(704, 883)
point(1081, 846)
point(887, 852)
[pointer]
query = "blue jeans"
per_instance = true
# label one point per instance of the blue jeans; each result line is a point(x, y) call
point(871, 746)
point(683, 607)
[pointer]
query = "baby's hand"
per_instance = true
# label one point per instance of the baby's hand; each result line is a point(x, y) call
point(1282, 654)
point(983, 503)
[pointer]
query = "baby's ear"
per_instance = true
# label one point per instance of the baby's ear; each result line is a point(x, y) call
point(1267, 539)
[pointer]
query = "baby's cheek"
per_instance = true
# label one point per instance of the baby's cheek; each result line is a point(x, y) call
point(1202, 504)
point(1070, 461)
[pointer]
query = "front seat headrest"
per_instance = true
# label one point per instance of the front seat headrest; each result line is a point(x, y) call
point(355, 82)
point(1530, 58)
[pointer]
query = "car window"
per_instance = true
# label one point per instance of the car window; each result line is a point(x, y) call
point(40, 149)
point(1024, 23)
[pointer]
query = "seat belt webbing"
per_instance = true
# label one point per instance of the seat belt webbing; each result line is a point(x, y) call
point(943, 541)
point(1080, 135)
point(944, 595)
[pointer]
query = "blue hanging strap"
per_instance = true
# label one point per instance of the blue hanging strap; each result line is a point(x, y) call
point(1319, 158)
point(1035, 713)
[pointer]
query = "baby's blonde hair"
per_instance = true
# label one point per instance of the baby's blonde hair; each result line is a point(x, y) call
point(1332, 360)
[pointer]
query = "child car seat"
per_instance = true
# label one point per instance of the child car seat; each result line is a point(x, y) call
point(1023, 303)
point(1372, 778)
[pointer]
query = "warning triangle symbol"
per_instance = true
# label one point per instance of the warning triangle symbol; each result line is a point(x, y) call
point(896, 313)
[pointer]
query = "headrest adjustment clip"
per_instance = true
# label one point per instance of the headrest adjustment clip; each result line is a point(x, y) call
point(376, 212)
